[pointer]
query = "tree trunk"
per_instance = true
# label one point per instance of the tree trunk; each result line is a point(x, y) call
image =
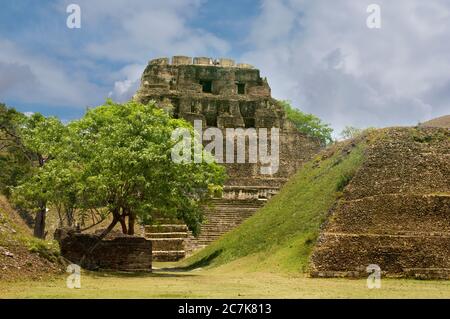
point(69, 216)
point(123, 223)
point(39, 223)
point(131, 222)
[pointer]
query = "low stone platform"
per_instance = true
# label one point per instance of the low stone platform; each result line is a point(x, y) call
point(168, 240)
point(126, 253)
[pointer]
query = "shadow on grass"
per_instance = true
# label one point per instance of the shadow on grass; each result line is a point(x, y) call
point(122, 274)
point(205, 261)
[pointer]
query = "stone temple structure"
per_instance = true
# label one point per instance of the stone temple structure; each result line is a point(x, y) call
point(225, 95)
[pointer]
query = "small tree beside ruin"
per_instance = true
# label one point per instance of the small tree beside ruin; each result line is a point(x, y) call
point(124, 164)
point(117, 158)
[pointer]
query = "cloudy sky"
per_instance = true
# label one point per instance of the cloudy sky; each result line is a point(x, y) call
point(319, 54)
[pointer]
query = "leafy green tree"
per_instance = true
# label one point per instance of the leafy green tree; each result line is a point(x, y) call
point(14, 158)
point(308, 124)
point(124, 154)
point(116, 158)
point(43, 138)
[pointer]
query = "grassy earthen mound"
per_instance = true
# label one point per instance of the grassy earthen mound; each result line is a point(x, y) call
point(21, 255)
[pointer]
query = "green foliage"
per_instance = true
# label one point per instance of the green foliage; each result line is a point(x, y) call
point(343, 181)
point(116, 157)
point(308, 124)
point(421, 135)
point(44, 139)
point(127, 166)
point(282, 234)
point(351, 132)
point(47, 250)
point(14, 160)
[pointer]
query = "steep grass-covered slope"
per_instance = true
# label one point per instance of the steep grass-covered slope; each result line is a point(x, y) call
point(281, 235)
point(381, 199)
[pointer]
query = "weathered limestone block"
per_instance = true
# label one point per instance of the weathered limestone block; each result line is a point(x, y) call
point(202, 61)
point(160, 61)
point(226, 62)
point(180, 60)
point(245, 66)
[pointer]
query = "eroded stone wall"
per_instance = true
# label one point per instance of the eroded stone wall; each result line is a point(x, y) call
point(223, 94)
point(125, 253)
point(395, 213)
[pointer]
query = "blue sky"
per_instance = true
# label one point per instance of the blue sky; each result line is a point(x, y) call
point(318, 54)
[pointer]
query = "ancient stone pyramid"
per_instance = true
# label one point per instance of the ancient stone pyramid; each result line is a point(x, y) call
point(222, 94)
point(395, 213)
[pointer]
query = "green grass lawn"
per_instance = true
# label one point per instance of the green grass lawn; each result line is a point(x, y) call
point(228, 281)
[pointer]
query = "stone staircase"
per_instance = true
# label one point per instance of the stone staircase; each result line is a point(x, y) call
point(223, 216)
point(167, 240)
point(172, 241)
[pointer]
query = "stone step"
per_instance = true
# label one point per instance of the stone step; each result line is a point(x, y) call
point(393, 213)
point(166, 228)
point(166, 235)
point(165, 255)
point(233, 208)
point(428, 273)
point(229, 214)
point(352, 253)
point(221, 216)
point(164, 244)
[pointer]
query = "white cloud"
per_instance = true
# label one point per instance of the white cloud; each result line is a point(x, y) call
point(124, 90)
point(322, 56)
point(142, 29)
point(79, 67)
point(32, 78)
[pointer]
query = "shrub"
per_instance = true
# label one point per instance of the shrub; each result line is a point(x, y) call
point(308, 124)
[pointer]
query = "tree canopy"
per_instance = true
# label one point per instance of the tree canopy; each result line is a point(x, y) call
point(117, 157)
point(14, 163)
point(308, 124)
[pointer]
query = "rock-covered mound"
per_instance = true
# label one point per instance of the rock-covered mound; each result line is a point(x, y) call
point(443, 121)
point(395, 212)
point(21, 255)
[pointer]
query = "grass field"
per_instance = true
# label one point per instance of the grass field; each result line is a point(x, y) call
point(229, 281)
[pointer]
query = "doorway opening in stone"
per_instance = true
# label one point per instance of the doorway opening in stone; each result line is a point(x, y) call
point(211, 120)
point(240, 88)
point(206, 86)
point(249, 122)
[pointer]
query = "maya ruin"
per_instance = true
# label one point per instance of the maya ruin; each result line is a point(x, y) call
point(222, 94)
point(248, 155)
